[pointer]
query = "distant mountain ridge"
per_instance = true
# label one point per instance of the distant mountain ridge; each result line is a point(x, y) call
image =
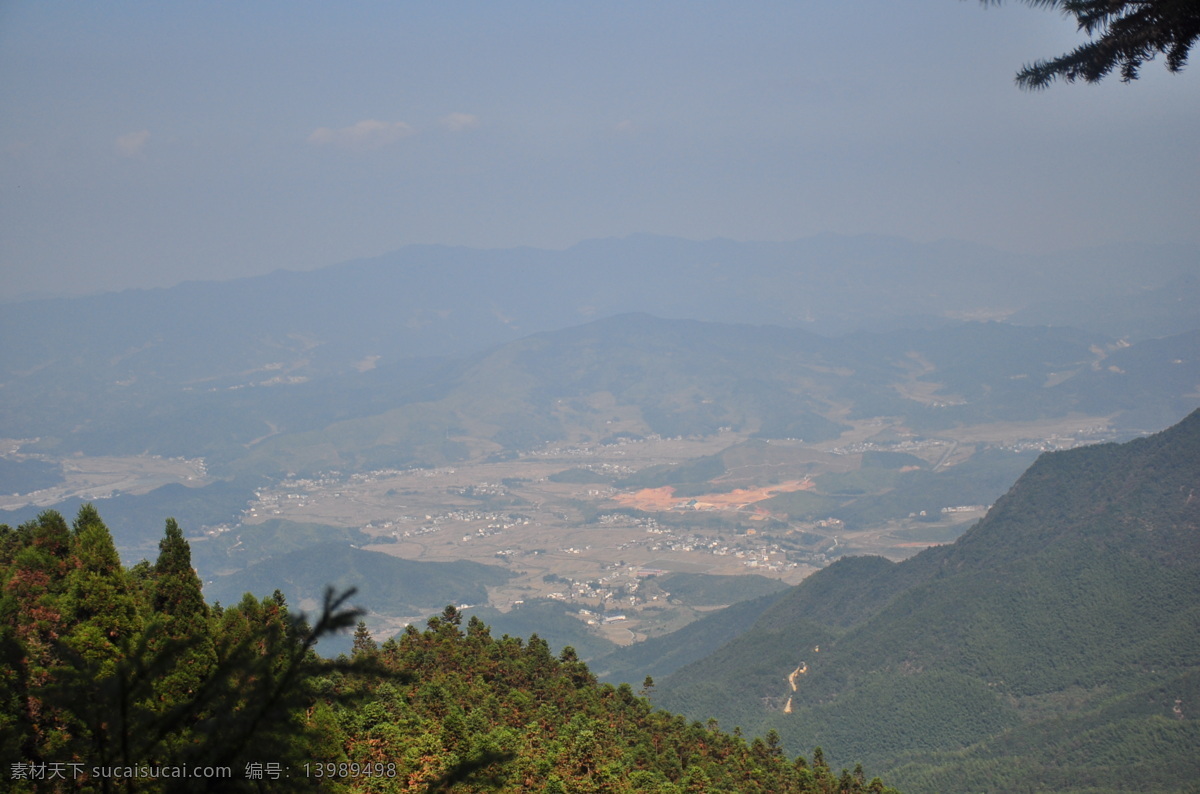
point(437, 300)
point(134, 371)
point(685, 377)
point(1069, 617)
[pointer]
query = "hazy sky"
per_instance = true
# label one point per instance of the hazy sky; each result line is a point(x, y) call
point(143, 144)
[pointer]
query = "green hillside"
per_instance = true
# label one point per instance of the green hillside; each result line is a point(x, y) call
point(700, 589)
point(558, 624)
point(1055, 641)
point(247, 544)
point(657, 657)
point(385, 583)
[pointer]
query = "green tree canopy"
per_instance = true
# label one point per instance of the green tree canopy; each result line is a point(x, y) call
point(98, 603)
point(1124, 35)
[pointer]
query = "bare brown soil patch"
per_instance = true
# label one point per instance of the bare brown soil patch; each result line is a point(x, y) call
point(662, 499)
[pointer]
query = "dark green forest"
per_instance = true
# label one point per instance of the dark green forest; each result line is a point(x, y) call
point(116, 679)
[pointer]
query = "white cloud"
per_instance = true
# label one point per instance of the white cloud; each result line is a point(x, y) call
point(457, 122)
point(625, 127)
point(131, 143)
point(366, 134)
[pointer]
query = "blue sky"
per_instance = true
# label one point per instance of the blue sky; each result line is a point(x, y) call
point(143, 144)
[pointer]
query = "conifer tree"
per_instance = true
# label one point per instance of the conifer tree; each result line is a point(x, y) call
point(364, 643)
point(176, 585)
point(98, 601)
point(181, 618)
point(1127, 33)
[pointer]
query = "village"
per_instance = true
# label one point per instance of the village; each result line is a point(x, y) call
point(591, 545)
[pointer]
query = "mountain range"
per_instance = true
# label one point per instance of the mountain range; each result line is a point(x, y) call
point(209, 368)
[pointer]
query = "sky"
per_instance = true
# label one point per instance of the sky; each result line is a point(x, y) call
point(146, 143)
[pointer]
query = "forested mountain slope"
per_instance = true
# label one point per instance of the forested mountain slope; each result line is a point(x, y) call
point(117, 679)
point(657, 657)
point(1056, 644)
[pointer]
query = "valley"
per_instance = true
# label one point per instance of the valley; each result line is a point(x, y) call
point(575, 524)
